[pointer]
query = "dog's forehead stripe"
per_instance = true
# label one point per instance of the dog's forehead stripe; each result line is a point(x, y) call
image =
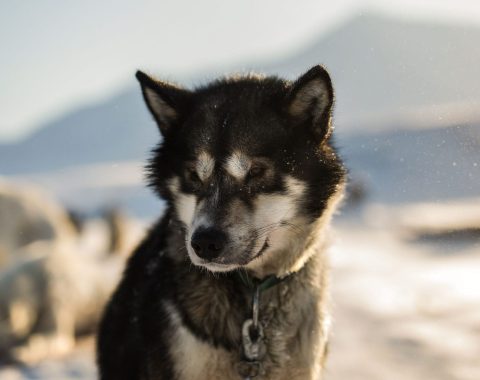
point(205, 165)
point(237, 165)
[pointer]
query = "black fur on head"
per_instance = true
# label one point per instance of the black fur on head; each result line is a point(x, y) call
point(286, 124)
point(289, 121)
point(306, 104)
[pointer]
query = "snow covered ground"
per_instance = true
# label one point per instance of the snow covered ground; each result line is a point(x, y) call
point(405, 307)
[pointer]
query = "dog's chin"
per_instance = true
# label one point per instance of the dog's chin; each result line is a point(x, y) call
point(210, 265)
point(226, 267)
point(215, 267)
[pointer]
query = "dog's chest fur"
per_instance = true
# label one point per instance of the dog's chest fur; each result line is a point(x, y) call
point(207, 316)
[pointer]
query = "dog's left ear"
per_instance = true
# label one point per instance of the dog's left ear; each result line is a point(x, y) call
point(310, 100)
point(164, 100)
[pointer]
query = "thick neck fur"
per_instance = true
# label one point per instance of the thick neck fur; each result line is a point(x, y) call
point(293, 314)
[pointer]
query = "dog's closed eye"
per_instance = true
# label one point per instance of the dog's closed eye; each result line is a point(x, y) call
point(192, 177)
point(256, 171)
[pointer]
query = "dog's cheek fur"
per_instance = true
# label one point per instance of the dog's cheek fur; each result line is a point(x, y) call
point(183, 203)
point(274, 212)
point(158, 175)
point(272, 209)
point(326, 180)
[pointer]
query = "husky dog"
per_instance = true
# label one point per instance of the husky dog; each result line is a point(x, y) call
point(231, 283)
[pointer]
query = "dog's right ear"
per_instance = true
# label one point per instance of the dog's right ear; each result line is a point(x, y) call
point(164, 100)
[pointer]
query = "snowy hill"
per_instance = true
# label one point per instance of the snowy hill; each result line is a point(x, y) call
point(118, 129)
point(415, 165)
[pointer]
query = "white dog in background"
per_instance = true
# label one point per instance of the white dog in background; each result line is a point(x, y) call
point(54, 279)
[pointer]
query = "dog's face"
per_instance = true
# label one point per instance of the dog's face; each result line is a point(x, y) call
point(246, 163)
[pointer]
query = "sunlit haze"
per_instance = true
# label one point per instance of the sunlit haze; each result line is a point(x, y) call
point(59, 55)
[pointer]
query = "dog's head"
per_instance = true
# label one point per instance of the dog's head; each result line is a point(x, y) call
point(246, 163)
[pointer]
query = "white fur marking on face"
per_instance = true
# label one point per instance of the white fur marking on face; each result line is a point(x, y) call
point(205, 166)
point(184, 203)
point(186, 208)
point(295, 187)
point(237, 165)
point(275, 208)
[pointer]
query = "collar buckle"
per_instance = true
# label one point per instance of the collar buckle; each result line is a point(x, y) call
point(253, 344)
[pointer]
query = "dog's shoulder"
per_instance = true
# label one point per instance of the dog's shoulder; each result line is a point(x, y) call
point(123, 335)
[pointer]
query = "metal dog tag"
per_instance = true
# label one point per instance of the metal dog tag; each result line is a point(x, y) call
point(248, 370)
point(252, 338)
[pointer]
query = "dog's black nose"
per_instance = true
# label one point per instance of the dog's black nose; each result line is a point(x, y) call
point(208, 243)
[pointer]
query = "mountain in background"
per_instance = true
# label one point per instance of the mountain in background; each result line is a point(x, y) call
point(382, 65)
point(397, 166)
point(116, 130)
point(383, 68)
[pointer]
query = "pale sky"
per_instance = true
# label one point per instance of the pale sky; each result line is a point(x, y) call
point(57, 55)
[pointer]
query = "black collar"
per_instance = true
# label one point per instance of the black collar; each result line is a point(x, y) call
point(253, 283)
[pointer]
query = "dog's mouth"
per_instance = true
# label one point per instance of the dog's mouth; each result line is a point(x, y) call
point(217, 267)
point(262, 250)
point(224, 265)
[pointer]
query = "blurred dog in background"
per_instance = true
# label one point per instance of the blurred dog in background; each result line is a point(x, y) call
point(55, 275)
